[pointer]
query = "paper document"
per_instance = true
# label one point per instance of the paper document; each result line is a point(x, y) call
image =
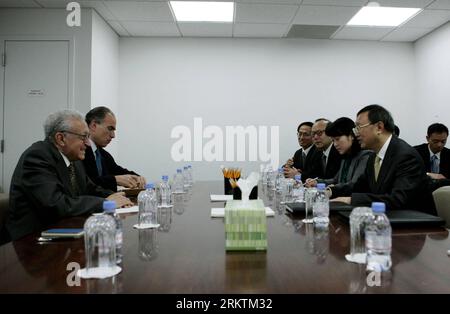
point(133, 209)
point(221, 198)
point(220, 212)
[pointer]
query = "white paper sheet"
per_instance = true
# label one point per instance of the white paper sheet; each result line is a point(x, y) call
point(221, 198)
point(133, 209)
point(220, 212)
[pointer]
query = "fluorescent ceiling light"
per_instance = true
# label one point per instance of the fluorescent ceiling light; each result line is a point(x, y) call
point(199, 11)
point(382, 16)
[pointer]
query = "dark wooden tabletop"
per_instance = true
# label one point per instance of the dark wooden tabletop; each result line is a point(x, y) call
point(187, 255)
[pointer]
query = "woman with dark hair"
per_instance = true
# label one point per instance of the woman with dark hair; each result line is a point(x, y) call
point(354, 159)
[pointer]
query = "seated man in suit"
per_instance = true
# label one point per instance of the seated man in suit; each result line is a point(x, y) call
point(100, 165)
point(394, 174)
point(327, 160)
point(301, 162)
point(49, 181)
point(435, 156)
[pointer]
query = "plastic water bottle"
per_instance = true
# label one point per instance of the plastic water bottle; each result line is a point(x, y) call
point(109, 207)
point(279, 180)
point(178, 183)
point(186, 178)
point(299, 190)
point(378, 240)
point(191, 175)
point(148, 209)
point(270, 178)
point(321, 206)
point(165, 194)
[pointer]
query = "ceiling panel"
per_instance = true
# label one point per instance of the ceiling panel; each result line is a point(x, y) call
point(312, 31)
point(260, 30)
point(324, 15)
point(157, 29)
point(18, 4)
point(140, 11)
point(362, 33)
point(355, 3)
point(206, 29)
point(429, 18)
point(406, 34)
point(265, 13)
point(440, 4)
point(405, 3)
point(118, 28)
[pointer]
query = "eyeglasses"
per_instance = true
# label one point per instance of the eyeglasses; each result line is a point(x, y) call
point(82, 137)
point(358, 128)
point(304, 134)
point(318, 133)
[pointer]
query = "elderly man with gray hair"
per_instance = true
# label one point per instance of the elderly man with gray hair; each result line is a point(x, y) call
point(50, 183)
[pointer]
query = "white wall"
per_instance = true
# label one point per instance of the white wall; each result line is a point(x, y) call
point(44, 23)
point(105, 68)
point(433, 79)
point(168, 82)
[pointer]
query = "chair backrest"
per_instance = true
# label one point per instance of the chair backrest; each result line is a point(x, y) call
point(442, 201)
point(4, 208)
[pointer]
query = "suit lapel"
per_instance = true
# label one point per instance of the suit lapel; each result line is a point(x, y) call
point(61, 168)
point(386, 164)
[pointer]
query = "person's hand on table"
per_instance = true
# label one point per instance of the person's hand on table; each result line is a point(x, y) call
point(289, 162)
point(343, 199)
point(436, 176)
point(128, 181)
point(141, 182)
point(290, 172)
point(309, 183)
point(120, 199)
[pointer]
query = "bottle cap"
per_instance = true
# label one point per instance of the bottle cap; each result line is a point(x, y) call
point(165, 178)
point(321, 186)
point(280, 169)
point(298, 177)
point(109, 206)
point(150, 185)
point(378, 207)
point(178, 170)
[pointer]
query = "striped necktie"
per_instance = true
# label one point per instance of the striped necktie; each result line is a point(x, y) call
point(434, 164)
point(98, 161)
point(377, 166)
point(73, 179)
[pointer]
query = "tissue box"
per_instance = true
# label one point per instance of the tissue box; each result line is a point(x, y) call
point(245, 226)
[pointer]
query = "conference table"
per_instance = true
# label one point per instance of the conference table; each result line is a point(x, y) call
point(187, 255)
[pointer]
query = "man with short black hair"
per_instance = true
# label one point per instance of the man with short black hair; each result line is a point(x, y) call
point(394, 175)
point(100, 165)
point(302, 160)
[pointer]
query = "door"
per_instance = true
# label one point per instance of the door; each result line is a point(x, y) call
point(36, 83)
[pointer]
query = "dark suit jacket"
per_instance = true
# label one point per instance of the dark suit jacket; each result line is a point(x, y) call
point(333, 165)
point(358, 165)
point(444, 166)
point(402, 182)
point(306, 167)
point(40, 193)
point(109, 167)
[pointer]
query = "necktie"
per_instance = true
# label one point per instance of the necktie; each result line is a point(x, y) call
point(377, 166)
point(324, 163)
point(98, 161)
point(434, 164)
point(73, 179)
point(303, 159)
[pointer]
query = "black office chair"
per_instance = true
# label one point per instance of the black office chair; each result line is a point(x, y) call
point(4, 208)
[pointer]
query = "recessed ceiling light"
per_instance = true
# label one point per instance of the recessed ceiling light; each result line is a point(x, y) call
point(375, 15)
point(199, 11)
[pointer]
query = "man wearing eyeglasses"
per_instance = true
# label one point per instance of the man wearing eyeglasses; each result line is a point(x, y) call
point(327, 160)
point(301, 163)
point(49, 182)
point(394, 175)
point(100, 165)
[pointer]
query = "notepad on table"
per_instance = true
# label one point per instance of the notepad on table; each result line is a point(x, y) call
point(221, 198)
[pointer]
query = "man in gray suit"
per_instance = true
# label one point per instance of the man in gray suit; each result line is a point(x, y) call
point(49, 182)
